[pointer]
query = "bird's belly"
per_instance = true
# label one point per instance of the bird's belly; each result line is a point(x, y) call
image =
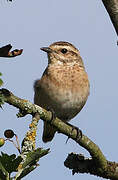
point(66, 104)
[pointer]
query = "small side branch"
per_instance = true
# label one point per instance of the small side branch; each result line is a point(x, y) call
point(29, 141)
point(100, 165)
point(80, 164)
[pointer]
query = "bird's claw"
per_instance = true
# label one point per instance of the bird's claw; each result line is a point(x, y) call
point(79, 133)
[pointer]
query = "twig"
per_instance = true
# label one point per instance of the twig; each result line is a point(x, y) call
point(29, 141)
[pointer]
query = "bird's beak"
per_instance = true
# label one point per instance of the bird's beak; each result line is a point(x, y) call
point(46, 49)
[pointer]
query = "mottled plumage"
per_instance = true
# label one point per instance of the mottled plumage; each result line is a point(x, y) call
point(64, 86)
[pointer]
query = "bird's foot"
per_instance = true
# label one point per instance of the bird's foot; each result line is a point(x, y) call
point(79, 133)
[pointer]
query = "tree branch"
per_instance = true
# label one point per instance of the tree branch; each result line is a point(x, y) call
point(112, 9)
point(97, 165)
point(79, 164)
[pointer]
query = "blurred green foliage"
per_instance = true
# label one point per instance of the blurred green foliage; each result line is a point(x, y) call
point(1, 82)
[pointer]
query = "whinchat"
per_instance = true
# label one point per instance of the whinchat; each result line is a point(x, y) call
point(64, 85)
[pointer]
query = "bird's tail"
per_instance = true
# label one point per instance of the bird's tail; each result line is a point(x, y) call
point(48, 132)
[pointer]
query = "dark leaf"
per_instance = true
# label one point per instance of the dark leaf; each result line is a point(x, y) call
point(2, 100)
point(2, 176)
point(5, 51)
point(26, 171)
point(1, 82)
point(10, 162)
point(33, 157)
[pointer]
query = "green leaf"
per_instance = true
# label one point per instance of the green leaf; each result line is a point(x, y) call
point(9, 162)
point(26, 171)
point(3, 172)
point(2, 100)
point(31, 161)
point(2, 176)
point(2, 97)
point(34, 156)
point(1, 82)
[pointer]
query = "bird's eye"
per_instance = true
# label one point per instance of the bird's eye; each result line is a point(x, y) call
point(64, 50)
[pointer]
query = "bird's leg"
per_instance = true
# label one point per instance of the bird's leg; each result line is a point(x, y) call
point(79, 132)
point(52, 113)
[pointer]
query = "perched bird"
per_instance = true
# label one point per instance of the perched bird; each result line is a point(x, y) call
point(64, 85)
